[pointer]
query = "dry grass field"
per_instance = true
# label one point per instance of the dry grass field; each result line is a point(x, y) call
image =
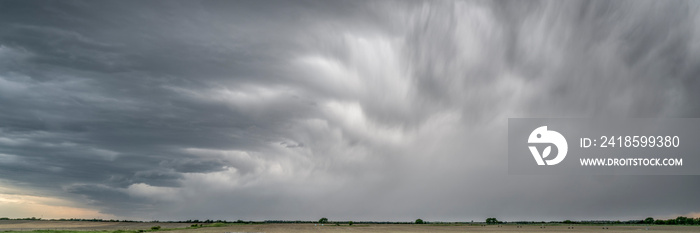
point(29, 225)
point(22, 225)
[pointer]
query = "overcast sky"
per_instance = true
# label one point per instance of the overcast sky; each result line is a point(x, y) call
point(351, 110)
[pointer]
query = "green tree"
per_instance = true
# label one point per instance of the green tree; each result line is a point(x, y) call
point(419, 221)
point(680, 220)
point(491, 221)
point(350, 223)
point(649, 220)
point(323, 220)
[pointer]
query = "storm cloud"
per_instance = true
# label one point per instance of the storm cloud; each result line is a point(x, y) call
point(356, 110)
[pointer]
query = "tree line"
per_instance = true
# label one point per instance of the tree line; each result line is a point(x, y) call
point(680, 220)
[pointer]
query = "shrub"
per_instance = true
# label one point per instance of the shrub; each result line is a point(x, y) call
point(350, 223)
point(649, 220)
point(155, 228)
point(491, 221)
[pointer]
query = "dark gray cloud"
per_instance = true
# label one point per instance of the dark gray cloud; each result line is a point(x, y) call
point(390, 110)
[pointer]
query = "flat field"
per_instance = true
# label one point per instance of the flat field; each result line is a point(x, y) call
point(29, 225)
point(108, 227)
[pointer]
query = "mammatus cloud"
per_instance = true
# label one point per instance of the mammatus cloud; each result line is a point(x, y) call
point(365, 110)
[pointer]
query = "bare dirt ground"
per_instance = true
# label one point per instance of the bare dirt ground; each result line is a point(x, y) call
point(436, 228)
point(384, 228)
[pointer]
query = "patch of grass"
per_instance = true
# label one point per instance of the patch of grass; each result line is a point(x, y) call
point(74, 231)
point(154, 228)
point(218, 224)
